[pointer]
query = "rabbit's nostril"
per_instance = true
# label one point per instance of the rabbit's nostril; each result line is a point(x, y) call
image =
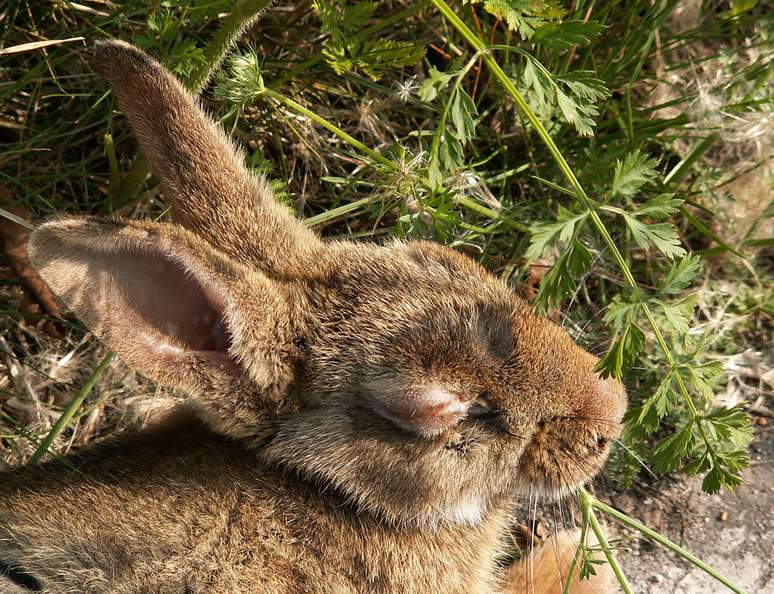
point(601, 442)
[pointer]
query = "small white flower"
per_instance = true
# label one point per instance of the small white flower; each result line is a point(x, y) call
point(406, 88)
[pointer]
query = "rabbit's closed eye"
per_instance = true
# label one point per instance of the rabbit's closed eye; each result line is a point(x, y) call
point(485, 414)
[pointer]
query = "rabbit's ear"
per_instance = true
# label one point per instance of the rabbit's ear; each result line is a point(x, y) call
point(173, 308)
point(210, 190)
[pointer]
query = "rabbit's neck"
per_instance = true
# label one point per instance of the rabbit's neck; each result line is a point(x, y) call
point(402, 557)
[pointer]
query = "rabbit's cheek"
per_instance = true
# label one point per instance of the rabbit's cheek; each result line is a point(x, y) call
point(469, 510)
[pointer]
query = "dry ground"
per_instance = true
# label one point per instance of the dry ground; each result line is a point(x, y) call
point(733, 532)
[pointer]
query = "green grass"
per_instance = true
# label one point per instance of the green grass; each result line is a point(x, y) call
point(595, 155)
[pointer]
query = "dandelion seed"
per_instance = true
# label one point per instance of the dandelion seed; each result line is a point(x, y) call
point(753, 129)
point(403, 183)
point(469, 183)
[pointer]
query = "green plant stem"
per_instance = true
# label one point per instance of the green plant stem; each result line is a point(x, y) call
point(333, 213)
point(585, 499)
point(132, 180)
point(68, 412)
point(114, 189)
point(685, 164)
point(396, 17)
point(662, 540)
point(240, 17)
point(578, 553)
point(366, 150)
point(580, 194)
point(490, 213)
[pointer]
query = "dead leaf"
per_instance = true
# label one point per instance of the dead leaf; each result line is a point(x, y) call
point(25, 47)
point(37, 299)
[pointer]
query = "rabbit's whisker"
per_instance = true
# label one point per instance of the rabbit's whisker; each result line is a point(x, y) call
point(635, 456)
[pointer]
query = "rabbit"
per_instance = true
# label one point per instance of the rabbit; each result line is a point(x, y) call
point(361, 417)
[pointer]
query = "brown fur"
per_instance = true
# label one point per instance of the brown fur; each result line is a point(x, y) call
point(362, 417)
point(545, 570)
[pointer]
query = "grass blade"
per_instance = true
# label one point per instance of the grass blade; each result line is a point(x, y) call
point(70, 410)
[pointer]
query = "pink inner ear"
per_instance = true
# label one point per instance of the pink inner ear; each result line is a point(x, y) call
point(153, 295)
point(428, 411)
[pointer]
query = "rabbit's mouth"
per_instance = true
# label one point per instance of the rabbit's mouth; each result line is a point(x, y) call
point(568, 448)
point(565, 453)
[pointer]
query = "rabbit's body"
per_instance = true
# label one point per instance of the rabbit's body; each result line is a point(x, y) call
point(362, 417)
point(179, 508)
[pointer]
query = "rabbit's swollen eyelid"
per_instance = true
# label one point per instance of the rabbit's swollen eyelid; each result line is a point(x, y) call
point(480, 410)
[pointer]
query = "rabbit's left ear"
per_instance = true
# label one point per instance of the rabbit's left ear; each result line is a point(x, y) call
point(174, 309)
point(210, 190)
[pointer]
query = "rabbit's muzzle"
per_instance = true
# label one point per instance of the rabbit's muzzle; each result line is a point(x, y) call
point(567, 450)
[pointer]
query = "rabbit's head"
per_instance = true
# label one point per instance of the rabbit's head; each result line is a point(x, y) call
point(403, 376)
point(430, 390)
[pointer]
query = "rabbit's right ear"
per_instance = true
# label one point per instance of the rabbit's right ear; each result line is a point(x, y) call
point(210, 190)
point(176, 310)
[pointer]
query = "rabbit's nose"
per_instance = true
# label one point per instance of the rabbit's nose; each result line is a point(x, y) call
point(615, 390)
point(607, 399)
point(596, 400)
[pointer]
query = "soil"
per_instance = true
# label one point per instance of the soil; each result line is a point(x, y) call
point(732, 532)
